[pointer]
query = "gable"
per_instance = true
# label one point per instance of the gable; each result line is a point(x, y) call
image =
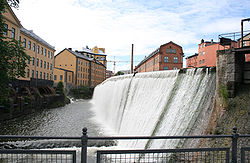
point(10, 16)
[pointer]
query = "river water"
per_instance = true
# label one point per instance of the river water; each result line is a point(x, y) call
point(64, 121)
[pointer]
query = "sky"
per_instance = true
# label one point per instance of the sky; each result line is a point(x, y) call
point(117, 24)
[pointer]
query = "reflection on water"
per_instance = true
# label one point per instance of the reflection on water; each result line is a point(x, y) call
point(63, 121)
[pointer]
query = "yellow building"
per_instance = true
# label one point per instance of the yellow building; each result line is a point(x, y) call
point(85, 70)
point(41, 63)
point(96, 53)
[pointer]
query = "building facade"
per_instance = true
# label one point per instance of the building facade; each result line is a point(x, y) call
point(206, 56)
point(41, 63)
point(78, 68)
point(167, 57)
point(109, 74)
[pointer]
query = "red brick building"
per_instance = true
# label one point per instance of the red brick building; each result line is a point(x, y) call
point(167, 57)
point(206, 54)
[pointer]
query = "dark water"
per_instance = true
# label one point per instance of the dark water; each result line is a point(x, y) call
point(63, 121)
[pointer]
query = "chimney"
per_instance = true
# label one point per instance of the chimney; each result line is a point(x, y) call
point(70, 49)
point(212, 41)
point(202, 41)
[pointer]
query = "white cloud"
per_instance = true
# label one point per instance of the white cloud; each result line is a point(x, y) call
point(116, 24)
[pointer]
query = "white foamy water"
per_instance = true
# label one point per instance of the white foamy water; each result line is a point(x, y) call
point(155, 103)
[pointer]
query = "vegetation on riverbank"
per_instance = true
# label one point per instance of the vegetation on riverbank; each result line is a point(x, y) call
point(236, 113)
point(82, 92)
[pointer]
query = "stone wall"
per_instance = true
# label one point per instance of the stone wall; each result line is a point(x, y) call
point(230, 65)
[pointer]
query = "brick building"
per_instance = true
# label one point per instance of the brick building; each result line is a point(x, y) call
point(167, 57)
point(206, 54)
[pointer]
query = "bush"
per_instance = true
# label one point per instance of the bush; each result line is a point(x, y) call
point(83, 92)
point(60, 88)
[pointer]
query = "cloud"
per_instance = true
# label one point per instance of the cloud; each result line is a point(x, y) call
point(116, 24)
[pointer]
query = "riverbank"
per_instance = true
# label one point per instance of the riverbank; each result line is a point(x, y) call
point(31, 101)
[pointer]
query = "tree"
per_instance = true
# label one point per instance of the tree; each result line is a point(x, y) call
point(12, 55)
point(119, 73)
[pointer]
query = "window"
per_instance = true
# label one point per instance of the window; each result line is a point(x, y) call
point(200, 53)
point(200, 61)
point(45, 52)
point(41, 75)
point(174, 51)
point(203, 53)
point(13, 33)
point(38, 49)
point(33, 61)
point(175, 59)
point(167, 50)
point(175, 68)
point(47, 65)
point(50, 77)
point(44, 64)
point(165, 68)
point(36, 74)
point(28, 73)
point(51, 56)
point(44, 75)
point(48, 53)
point(47, 76)
point(32, 74)
point(6, 29)
point(29, 61)
point(55, 77)
point(24, 42)
point(34, 46)
point(51, 66)
point(203, 60)
point(29, 46)
point(69, 77)
point(37, 62)
point(166, 59)
point(41, 63)
point(61, 77)
point(42, 50)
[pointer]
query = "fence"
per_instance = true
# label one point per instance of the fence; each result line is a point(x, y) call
point(232, 154)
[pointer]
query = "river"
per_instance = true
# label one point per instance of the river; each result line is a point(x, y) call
point(64, 121)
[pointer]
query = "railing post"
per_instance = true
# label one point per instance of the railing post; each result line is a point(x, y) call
point(235, 137)
point(84, 145)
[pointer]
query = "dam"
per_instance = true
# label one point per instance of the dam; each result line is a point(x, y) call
point(155, 103)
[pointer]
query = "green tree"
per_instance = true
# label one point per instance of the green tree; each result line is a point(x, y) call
point(12, 55)
point(119, 73)
point(60, 88)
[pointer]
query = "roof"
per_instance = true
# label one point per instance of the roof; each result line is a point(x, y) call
point(196, 54)
point(85, 50)
point(31, 34)
point(155, 52)
point(64, 69)
point(82, 56)
point(149, 56)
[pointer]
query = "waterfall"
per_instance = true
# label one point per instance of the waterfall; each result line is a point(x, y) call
point(154, 103)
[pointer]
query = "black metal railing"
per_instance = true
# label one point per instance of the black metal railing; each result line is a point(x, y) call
point(23, 156)
point(233, 153)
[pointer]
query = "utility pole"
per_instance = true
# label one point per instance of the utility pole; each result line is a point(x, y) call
point(132, 53)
